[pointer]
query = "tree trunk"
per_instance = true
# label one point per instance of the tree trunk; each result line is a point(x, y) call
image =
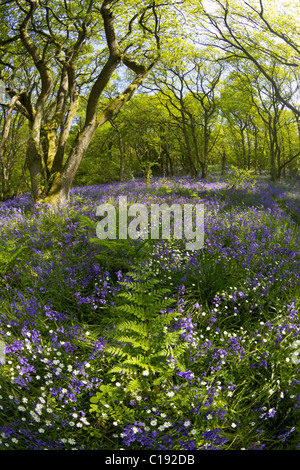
point(206, 137)
point(223, 162)
point(121, 149)
point(62, 180)
point(255, 149)
point(169, 162)
point(243, 146)
point(34, 163)
point(249, 151)
point(203, 170)
point(193, 169)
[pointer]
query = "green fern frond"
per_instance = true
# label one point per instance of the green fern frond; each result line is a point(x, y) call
point(136, 342)
point(116, 351)
point(139, 328)
point(138, 312)
point(7, 259)
point(133, 364)
point(143, 337)
point(134, 384)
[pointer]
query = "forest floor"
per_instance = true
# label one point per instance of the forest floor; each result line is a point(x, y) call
point(142, 344)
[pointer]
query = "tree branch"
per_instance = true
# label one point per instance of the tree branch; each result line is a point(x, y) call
point(4, 42)
point(35, 53)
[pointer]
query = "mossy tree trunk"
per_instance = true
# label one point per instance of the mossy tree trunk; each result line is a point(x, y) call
point(52, 102)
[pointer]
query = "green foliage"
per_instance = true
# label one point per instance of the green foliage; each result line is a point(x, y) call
point(143, 335)
point(238, 176)
point(142, 343)
point(119, 253)
point(9, 256)
point(146, 168)
point(242, 355)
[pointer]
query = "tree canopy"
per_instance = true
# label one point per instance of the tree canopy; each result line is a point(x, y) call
point(69, 68)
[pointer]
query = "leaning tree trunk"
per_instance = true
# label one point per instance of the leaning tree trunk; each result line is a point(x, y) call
point(62, 180)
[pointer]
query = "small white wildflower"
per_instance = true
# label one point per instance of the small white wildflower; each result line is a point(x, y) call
point(35, 416)
point(39, 408)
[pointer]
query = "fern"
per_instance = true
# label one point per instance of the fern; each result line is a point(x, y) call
point(8, 258)
point(115, 254)
point(141, 351)
point(143, 338)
